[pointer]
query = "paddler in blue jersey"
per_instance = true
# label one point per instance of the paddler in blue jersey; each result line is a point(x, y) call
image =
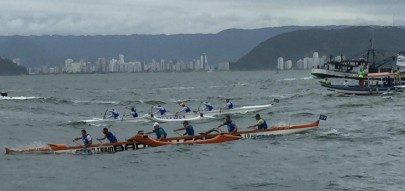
point(114, 114)
point(184, 108)
point(108, 135)
point(87, 141)
point(133, 112)
point(159, 131)
point(229, 104)
point(261, 123)
point(160, 110)
point(186, 126)
point(232, 127)
point(208, 106)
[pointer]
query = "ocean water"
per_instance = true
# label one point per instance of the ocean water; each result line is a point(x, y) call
point(359, 147)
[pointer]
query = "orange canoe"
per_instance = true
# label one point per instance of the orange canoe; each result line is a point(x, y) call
point(57, 148)
point(218, 138)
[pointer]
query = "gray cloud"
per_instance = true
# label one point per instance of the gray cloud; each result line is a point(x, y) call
point(90, 17)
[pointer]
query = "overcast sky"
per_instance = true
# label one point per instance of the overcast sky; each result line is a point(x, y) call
point(92, 17)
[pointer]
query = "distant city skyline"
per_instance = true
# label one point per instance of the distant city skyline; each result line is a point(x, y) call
point(107, 17)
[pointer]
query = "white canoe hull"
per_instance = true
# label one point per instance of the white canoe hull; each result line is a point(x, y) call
point(179, 117)
point(239, 110)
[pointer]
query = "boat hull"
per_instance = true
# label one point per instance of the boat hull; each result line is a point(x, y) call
point(358, 90)
point(274, 130)
point(219, 138)
point(179, 117)
point(78, 150)
point(239, 110)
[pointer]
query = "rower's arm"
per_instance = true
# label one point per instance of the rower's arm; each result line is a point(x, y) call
point(100, 139)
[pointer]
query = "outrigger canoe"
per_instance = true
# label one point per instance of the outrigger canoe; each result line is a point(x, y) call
point(238, 110)
point(218, 138)
point(79, 150)
point(179, 117)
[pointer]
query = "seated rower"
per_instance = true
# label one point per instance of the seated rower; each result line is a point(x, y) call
point(133, 112)
point(87, 141)
point(114, 114)
point(186, 126)
point(208, 106)
point(108, 135)
point(229, 104)
point(232, 127)
point(159, 131)
point(184, 109)
point(160, 109)
point(261, 123)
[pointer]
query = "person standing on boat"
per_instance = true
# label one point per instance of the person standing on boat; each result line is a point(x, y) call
point(133, 112)
point(261, 123)
point(361, 74)
point(108, 135)
point(159, 131)
point(186, 126)
point(114, 114)
point(208, 106)
point(160, 110)
point(87, 141)
point(184, 109)
point(232, 127)
point(229, 104)
point(397, 75)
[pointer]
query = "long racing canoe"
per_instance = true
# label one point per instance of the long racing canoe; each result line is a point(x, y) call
point(57, 148)
point(237, 110)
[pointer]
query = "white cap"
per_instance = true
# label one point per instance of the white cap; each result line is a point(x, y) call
point(155, 124)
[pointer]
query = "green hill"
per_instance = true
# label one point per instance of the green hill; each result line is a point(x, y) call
point(350, 42)
point(7, 67)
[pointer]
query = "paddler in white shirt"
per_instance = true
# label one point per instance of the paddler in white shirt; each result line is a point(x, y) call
point(87, 141)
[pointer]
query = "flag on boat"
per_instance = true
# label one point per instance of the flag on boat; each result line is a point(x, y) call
point(400, 60)
point(322, 117)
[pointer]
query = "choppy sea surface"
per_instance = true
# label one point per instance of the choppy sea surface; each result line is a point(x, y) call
point(359, 147)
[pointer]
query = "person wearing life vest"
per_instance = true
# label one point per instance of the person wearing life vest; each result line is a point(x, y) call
point(114, 114)
point(326, 81)
point(360, 74)
point(159, 131)
point(184, 109)
point(229, 104)
point(160, 110)
point(397, 74)
point(261, 123)
point(133, 112)
point(231, 126)
point(108, 135)
point(208, 106)
point(86, 138)
point(186, 126)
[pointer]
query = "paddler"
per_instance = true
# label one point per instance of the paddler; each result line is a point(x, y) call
point(160, 110)
point(261, 123)
point(133, 112)
point(114, 114)
point(87, 141)
point(208, 106)
point(108, 135)
point(229, 104)
point(159, 131)
point(232, 127)
point(184, 109)
point(186, 126)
